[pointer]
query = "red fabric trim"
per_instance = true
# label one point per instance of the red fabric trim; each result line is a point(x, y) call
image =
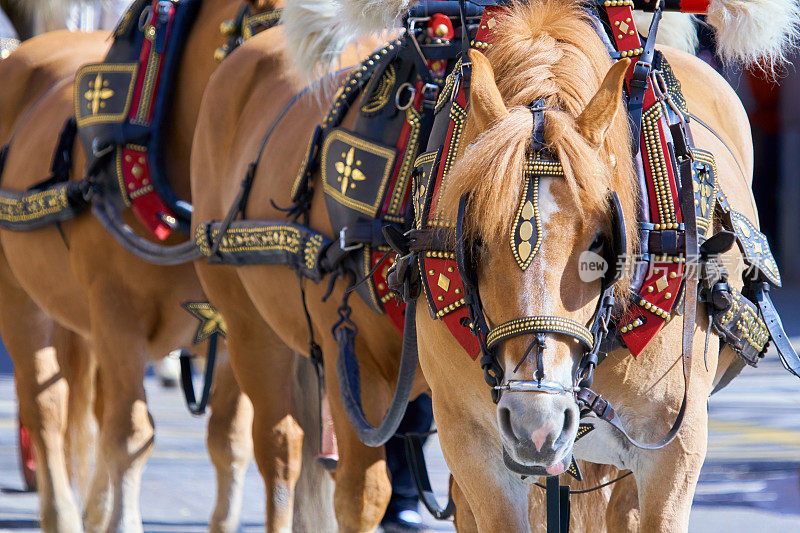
point(168, 31)
point(695, 7)
point(146, 204)
point(637, 339)
point(622, 24)
point(485, 31)
point(462, 334)
point(394, 310)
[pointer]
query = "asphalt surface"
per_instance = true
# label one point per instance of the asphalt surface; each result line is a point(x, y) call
point(750, 481)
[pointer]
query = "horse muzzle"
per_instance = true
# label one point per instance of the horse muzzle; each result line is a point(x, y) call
point(538, 430)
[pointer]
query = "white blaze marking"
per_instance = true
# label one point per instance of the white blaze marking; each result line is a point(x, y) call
point(535, 300)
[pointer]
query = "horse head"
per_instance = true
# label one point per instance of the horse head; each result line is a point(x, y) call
point(540, 192)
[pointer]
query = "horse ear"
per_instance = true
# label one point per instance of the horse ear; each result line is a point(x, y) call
point(487, 104)
point(599, 113)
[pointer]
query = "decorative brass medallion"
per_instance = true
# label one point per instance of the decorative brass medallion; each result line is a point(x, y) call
point(211, 321)
point(349, 173)
point(103, 92)
point(526, 232)
point(355, 171)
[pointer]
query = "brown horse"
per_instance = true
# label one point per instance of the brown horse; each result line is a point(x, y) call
point(128, 309)
point(548, 50)
point(262, 304)
point(541, 50)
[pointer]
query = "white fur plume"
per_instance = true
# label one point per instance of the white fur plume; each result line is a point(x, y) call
point(675, 29)
point(375, 15)
point(316, 35)
point(318, 31)
point(45, 6)
point(759, 32)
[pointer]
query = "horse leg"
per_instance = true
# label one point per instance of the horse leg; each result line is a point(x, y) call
point(79, 369)
point(313, 501)
point(666, 479)
point(42, 395)
point(263, 369)
point(362, 489)
point(230, 446)
point(463, 518)
point(623, 509)
point(126, 432)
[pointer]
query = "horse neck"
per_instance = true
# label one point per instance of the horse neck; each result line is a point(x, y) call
point(194, 71)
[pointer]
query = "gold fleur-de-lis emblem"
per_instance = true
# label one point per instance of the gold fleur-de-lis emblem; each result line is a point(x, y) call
point(98, 91)
point(348, 173)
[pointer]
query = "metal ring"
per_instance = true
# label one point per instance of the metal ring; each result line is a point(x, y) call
point(144, 16)
point(412, 93)
point(547, 387)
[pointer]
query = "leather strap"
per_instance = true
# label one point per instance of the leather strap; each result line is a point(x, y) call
point(665, 242)
point(419, 472)
point(33, 209)
point(599, 406)
point(195, 407)
point(557, 505)
point(638, 83)
point(771, 318)
point(159, 254)
point(347, 369)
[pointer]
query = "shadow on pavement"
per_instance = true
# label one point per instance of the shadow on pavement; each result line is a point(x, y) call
point(18, 524)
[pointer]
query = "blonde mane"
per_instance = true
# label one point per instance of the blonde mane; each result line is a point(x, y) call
point(542, 49)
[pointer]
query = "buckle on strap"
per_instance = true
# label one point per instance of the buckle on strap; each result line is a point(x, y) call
point(430, 94)
point(343, 242)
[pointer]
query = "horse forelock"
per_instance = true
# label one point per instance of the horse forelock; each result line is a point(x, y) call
point(547, 50)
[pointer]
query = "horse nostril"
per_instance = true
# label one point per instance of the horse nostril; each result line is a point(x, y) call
point(504, 417)
point(569, 418)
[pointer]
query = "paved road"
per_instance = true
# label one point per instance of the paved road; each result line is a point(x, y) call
point(751, 479)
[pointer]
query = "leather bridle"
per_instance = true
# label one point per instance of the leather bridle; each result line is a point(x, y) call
point(589, 338)
point(404, 281)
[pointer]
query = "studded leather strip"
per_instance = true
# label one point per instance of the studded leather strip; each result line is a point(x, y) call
point(539, 324)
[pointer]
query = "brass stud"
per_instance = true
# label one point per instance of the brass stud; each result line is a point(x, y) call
point(220, 53)
point(227, 28)
point(668, 295)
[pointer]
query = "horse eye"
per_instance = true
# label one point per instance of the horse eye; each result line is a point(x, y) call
point(598, 243)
